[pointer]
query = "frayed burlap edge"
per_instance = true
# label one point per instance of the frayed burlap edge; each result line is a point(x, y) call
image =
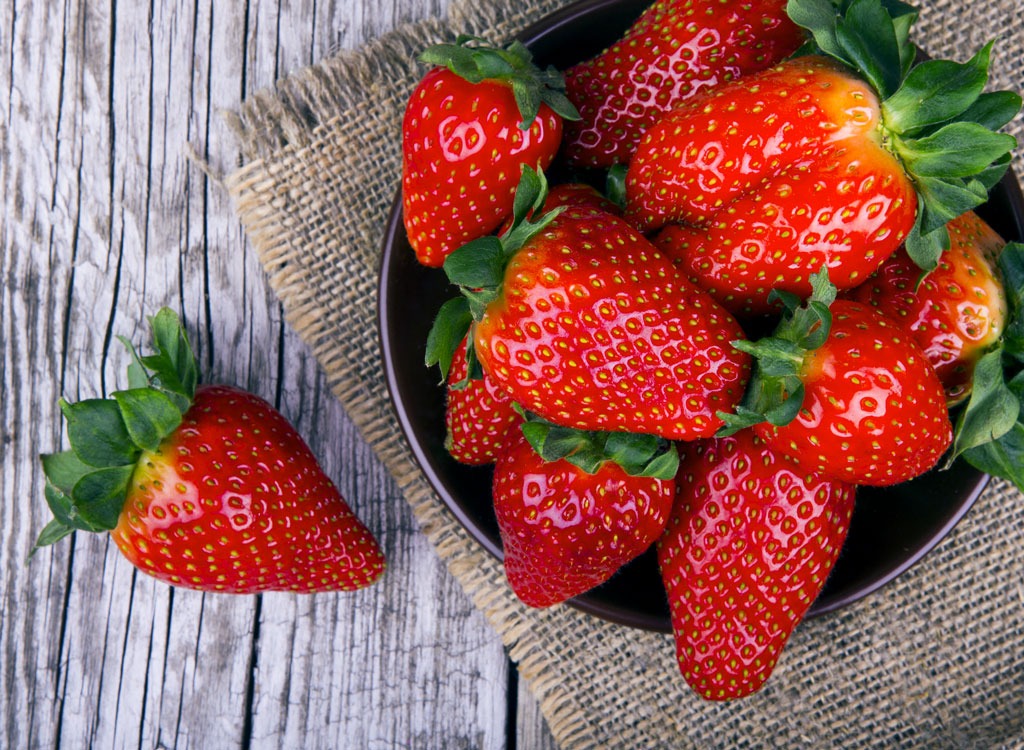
point(285, 121)
point(294, 137)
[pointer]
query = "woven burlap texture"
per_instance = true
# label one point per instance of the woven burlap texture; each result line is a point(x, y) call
point(935, 659)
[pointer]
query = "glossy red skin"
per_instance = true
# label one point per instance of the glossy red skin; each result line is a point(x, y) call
point(675, 50)
point(595, 329)
point(706, 153)
point(957, 312)
point(874, 412)
point(234, 501)
point(843, 209)
point(478, 416)
point(564, 531)
point(462, 153)
point(751, 210)
point(747, 549)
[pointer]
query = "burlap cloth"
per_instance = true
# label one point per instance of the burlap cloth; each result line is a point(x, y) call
point(935, 659)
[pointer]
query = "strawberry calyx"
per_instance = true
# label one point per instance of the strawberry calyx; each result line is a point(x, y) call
point(638, 455)
point(989, 432)
point(86, 485)
point(775, 391)
point(936, 117)
point(478, 268)
point(514, 66)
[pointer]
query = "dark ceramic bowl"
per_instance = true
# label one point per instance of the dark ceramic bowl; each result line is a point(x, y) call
point(892, 528)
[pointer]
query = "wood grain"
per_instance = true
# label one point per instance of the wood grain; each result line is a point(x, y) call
point(105, 219)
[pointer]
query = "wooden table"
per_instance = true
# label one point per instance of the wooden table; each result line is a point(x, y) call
point(105, 219)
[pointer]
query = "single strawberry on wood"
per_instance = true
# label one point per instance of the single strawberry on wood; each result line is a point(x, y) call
point(203, 486)
point(676, 49)
point(826, 159)
point(750, 543)
point(473, 120)
point(583, 322)
point(574, 507)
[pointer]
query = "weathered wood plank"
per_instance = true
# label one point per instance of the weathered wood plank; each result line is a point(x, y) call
point(105, 220)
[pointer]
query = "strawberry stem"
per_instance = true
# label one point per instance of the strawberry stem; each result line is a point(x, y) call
point(86, 485)
point(638, 455)
point(775, 392)
point(989, 431)
point(472, 59)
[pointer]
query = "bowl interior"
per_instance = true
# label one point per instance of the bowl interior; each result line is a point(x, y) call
point(892, 528)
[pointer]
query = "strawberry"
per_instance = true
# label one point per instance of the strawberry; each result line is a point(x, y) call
point(856, 150)
point(470, 124)
point(478, 414)
point(814, 213)
point(581, 321)
point(747, 549)
point(574, 507)
point(845, 393)
point(205, 487)
point(990, 428)
point(676, 49)
point(957, 312)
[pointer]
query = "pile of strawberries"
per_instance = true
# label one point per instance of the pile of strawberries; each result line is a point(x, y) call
point(756, 283)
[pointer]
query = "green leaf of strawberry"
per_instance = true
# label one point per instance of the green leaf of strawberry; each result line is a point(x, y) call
point(478, 264)
point(98, 434)
point(1004, 457)
point(990, 430)
point(1011, 264)
point(531, 86)
point(775, 391)
point(872, 37)
point(447, 332)
point(992, 409)
point(148, 416)
point(638, 455)
point(936, 91)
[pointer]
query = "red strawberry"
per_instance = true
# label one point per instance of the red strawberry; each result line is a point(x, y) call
point(846, 394)
point(957, 312)
point(466, 133)
point(676, 49)
point(571, 519)
point(841, 146)
point(703, 155)
point(204, 487)
point(838, 211)
point(478, 414)
point(747, 549)
point(581, 321)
